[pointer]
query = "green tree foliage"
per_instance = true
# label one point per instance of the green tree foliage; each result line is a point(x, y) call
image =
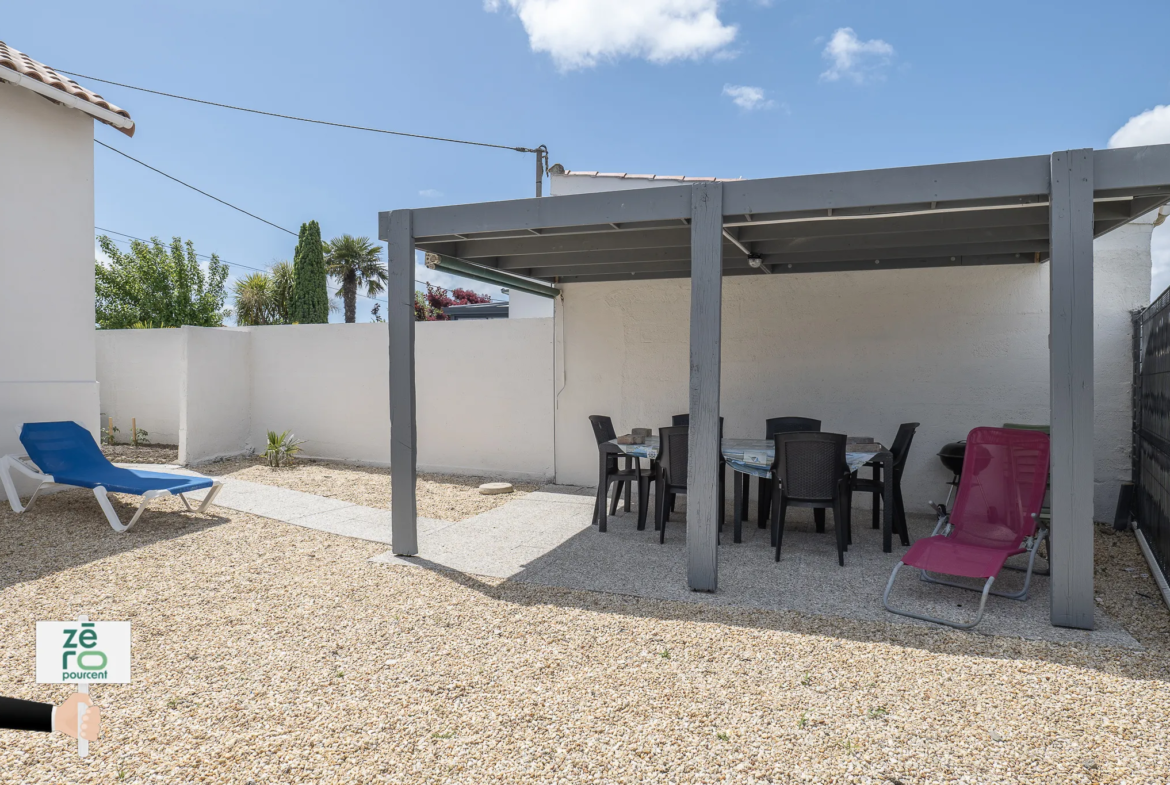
point(158, 286)
point(310, 290)
point(265, 298)
point(355, 262)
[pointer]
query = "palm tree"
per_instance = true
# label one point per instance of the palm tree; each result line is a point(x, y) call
point(355, 262)
point(282, 292)
point(254, 300)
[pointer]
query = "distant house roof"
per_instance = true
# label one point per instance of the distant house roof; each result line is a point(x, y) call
point(626, 176)
point(18, 68)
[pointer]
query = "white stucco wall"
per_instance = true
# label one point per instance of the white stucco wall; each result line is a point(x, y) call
point(46, 265)
point(950, 348)
point(522, 305)
point(485, 401)
point(139, 374)
point(215, 398)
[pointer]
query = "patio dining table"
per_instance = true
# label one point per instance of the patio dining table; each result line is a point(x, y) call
point(753, 458)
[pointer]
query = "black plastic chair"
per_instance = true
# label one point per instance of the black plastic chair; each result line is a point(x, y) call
point(900, 450)
point(810, 470)
point(773, 426)
point(671, 477)
point(677, 420)
point(610, 471)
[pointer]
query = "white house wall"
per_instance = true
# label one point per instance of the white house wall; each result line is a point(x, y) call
point(47, 365)
point(951, 348)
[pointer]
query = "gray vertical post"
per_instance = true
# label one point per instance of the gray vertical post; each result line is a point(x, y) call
point(703, 511)
point(403, 433)
point(1071, 370)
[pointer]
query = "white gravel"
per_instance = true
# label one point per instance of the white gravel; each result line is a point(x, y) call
point(270, 653)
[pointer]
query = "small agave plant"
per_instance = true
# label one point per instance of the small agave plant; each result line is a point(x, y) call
point(282, 448)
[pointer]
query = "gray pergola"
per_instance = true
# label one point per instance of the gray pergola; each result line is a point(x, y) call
point(1009, 211)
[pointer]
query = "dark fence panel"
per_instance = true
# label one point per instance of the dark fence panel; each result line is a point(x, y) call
point(1151, 426)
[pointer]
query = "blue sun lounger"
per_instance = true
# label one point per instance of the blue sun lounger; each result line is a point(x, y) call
point(64, 453)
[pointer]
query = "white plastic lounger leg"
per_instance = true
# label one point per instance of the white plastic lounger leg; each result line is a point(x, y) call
point(8, 464)
point(923, 617)
point(103, 499)
point(216, 487)
point(212, 492)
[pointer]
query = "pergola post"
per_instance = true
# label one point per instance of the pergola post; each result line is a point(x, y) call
point(1071, 370)
point(403, 432)
point(703, 511)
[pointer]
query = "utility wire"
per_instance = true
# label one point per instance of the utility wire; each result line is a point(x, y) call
point(301, 119)
point(193, 188)
point(256, 269)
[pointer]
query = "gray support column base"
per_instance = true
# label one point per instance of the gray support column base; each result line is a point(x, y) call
point(1071, 368)
point(703, 513)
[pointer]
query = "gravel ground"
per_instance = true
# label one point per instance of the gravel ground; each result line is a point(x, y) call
point(272, 653)
point(447, 497)
point(146, 453)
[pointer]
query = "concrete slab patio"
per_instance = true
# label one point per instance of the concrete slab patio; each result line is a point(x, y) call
point(547, 538)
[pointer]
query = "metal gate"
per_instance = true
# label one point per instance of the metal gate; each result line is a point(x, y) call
point(1151, 426)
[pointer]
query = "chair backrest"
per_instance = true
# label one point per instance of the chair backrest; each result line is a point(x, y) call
point(673, 452)
point(1004, 476)
point(901, 446)
point(602, 428)
point(810, 464)
point(775, 425)
point(60, 447)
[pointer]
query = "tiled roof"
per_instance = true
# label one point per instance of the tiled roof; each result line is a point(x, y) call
point(673, 178)
point(27, 67)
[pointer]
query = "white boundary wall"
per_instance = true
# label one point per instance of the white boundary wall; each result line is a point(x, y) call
point(485, 402)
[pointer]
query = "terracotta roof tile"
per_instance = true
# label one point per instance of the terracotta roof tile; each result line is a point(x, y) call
point(26, 66)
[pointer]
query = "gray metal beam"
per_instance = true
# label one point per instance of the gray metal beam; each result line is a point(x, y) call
point(906, 239)
point(1131, 168)
point(647, 204)
point(927, 251)
point(1005, 179)
point(703, 508)
point(887, 224)
point(570, 243)
point(599, 275)
point(403, 433)
point(1071, 370)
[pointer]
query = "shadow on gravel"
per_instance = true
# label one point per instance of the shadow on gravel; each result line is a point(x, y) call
point(68, 529)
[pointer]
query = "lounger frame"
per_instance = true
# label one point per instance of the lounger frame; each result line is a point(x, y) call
point(10, 464)
point(1031, 546)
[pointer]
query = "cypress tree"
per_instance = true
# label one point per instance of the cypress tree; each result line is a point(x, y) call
point(310, 289)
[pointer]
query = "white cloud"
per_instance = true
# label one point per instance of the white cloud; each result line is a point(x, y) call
point(851, 58)
point(430, 193)
point(583, 33)
point(747, 98)
point(1149, 127)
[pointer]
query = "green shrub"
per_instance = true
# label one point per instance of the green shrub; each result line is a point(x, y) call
point(282, 448)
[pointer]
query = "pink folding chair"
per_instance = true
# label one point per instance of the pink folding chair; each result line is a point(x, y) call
point(994, 518)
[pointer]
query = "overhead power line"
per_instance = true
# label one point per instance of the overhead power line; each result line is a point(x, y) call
point(301, 119)
point(193, 188)
point(255, 269)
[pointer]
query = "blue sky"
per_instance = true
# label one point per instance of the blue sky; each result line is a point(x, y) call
point(699, 87)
